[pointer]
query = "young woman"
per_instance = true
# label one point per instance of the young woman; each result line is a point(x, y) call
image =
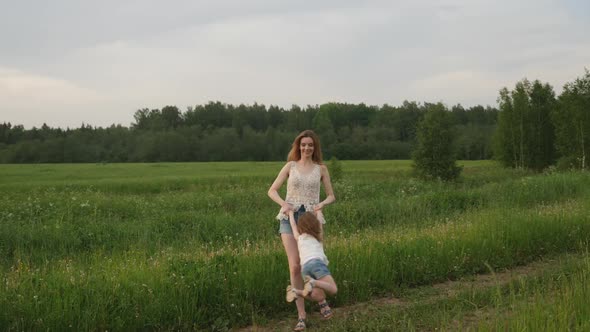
point(304, 173)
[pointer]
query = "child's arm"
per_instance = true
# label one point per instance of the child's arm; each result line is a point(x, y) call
point(293, 224)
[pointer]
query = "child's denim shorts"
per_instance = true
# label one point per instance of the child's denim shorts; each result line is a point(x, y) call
point(315, 268)
point(285, 225)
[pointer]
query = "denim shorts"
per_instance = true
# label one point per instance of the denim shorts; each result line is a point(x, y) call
point(315, 268)
point(285, 225)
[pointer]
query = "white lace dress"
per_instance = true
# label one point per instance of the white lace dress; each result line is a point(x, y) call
point(303, 189)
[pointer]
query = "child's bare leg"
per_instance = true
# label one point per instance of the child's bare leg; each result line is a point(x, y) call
point(317, 295)
point(326, 283)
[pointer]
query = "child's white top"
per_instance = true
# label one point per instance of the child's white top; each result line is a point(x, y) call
point(310, 248)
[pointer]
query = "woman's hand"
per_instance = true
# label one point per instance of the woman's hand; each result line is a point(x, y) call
point(318, 207)
point(286, 207)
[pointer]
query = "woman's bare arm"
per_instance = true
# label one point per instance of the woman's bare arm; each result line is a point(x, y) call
point(273, 191)
point(330, 198)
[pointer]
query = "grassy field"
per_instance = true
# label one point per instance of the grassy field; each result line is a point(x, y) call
point(186, 246)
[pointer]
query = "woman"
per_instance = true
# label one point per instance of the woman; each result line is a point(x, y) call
point(304, 172)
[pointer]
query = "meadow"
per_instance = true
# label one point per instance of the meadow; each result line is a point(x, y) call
point(194, 246)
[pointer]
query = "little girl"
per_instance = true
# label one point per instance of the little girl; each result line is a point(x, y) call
point(307, 230)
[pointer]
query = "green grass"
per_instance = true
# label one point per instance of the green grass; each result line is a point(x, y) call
point(186, 245)
point(551, 296)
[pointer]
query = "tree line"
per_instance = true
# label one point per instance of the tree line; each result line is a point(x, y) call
point(223, 132)
point(533, 129)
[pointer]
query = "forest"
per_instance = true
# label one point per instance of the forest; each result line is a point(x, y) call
point(223, 132)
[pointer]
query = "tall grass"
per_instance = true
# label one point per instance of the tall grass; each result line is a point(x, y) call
point(549, 295)
point(560, 303)
point(183, 246)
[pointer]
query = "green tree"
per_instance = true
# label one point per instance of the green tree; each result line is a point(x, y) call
point(505, 141)
point(323, 126)
point(171, 117)
point(434, 156)
point(525, 137)
point(542, 140)
point(572, 123)
point(275, 116)
point(146, 119)
point(474, 141)
point(52, 151)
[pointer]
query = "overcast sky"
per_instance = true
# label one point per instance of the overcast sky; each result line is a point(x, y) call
point(65, 62)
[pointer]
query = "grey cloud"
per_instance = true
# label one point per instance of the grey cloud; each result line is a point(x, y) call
point(136, 54)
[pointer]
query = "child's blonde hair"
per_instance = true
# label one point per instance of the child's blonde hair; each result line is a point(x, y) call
point(309, 224)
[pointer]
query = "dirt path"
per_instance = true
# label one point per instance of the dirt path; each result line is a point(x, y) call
point(437, 291)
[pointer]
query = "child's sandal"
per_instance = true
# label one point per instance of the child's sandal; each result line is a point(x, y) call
point(308, 286)
point(291, 294)
point(325, 310)
point(300, 325)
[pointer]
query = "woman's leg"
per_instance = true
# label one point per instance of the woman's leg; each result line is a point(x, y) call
point(294, 269)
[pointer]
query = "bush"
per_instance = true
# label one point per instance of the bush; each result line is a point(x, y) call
point(335, 169)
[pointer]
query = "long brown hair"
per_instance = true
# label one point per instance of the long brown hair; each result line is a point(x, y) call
point(295, 153)
point(309, 224)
